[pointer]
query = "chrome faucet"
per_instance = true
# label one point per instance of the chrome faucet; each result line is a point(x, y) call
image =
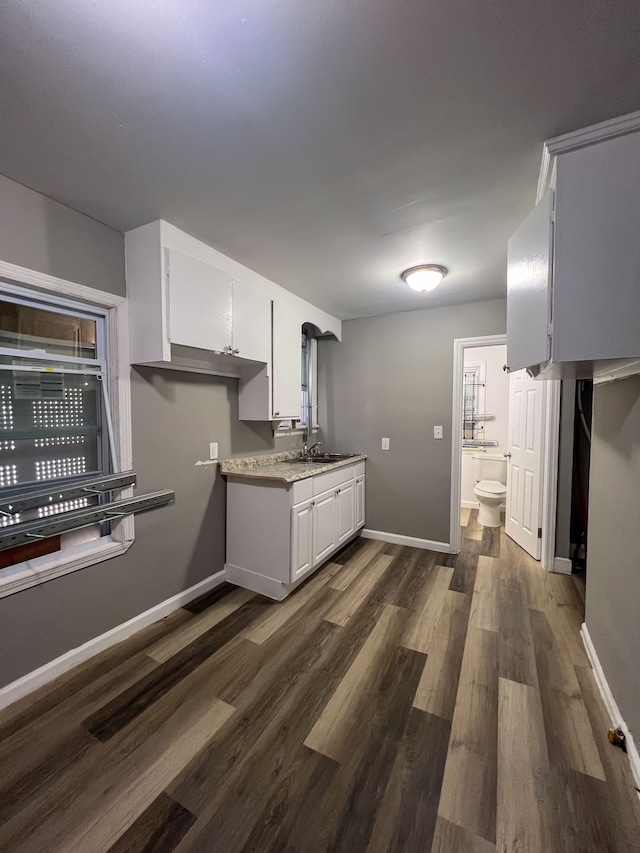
point(311, 451)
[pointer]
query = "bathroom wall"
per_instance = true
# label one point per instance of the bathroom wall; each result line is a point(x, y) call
point(496, 403)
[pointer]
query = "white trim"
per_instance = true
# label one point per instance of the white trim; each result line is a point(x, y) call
point(50, 566)
point(610, 703)
point(470, 504)
point(39, 677)
point(459, 346)
point(618, 126)
point(613, 371)
point(550, 461)
point(562, 565)
point(398, 539)
point(261, 584)
point(59, 291)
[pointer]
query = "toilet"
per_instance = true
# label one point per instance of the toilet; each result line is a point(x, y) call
point(490, 475)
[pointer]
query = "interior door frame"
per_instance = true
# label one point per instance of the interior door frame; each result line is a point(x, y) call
point(549, 450)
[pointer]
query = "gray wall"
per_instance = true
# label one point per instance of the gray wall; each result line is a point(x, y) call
point(613, 567)
point(392, 376)
point(175, 416)
point(43, 235)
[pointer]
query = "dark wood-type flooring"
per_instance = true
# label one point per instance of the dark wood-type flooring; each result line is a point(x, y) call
point(400, 700)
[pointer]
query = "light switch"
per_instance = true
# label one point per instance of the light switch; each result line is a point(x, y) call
point(385, 443)
point(437, 432)
point(213, 450)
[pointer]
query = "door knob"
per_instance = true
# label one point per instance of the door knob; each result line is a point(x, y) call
point(507, 455)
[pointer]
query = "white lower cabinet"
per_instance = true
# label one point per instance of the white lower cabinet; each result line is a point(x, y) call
point(346, 511)
point(301, 539)
point(278, 533)
point(325, 532)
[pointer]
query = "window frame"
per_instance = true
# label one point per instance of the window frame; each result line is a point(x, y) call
point(20, 282)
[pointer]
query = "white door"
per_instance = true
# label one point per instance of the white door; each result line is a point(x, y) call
point(524, 471)
point(324, 526)
point(301, 539)
point(346, 511)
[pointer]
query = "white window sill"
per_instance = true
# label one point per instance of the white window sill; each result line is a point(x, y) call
point(33, 572)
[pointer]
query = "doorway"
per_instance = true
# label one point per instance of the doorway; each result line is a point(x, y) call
point(532, 518)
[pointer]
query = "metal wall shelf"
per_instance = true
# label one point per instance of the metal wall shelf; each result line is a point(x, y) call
point(27, 531)
point(16, 502)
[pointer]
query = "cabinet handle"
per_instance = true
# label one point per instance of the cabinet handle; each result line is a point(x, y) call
point(275, 414)
point(235, 351)
point(505, 367)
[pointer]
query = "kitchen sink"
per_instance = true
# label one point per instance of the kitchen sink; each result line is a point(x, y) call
point(321, 458)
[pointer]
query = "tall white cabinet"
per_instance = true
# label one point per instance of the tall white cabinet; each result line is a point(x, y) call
point(573, 279)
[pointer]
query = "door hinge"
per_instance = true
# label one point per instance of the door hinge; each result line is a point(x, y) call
point(539, 533)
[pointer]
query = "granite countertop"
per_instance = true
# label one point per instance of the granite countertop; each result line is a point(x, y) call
point(274, 466)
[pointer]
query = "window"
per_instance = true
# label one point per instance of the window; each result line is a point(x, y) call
point(53, 370)
point(64, 415)
point(309, 390)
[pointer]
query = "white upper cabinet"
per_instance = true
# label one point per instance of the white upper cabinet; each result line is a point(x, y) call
point(287, 360)
point(573, 279)
point(192, 283)
point(251, 326)
point(192, 308)
point(529, 291)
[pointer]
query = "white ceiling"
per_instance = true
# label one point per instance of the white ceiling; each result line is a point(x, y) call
point(327, 144)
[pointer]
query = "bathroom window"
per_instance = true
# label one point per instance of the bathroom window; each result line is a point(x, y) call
point(473, 401)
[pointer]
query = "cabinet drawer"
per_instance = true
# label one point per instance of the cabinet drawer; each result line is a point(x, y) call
point(331, 479)
point(302, 490)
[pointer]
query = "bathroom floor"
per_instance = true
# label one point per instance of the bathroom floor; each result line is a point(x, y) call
point(400, 700)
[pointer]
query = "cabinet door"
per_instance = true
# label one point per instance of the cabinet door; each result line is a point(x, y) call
point(324, 526)
point(346, 511)
point(359, 501)
point(529, 288)
point(287, 360)
point(199, 303)
point(251, 317)
point(301, 539)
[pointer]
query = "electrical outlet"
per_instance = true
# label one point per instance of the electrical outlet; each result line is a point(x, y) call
point(437, 432)
point(385, 443)
point(213, 450)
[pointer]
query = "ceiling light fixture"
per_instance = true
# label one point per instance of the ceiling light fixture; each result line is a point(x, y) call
point(424, 277)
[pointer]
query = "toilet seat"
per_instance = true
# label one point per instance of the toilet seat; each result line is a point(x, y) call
point(490, 489)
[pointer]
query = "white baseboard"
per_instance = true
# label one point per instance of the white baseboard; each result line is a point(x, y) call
point(256, 583)
point(397, 539)
point(39, 677)
point(562, 565)
point(469, 504)
point(610, 703)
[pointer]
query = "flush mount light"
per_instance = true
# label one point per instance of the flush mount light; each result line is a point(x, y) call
point(424, 277)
